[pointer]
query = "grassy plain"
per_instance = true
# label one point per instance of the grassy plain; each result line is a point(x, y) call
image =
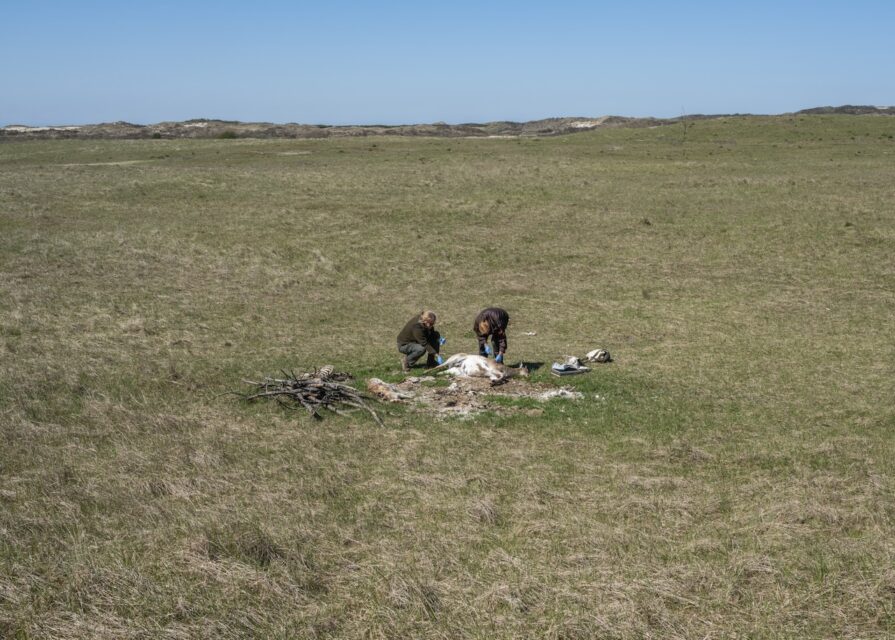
point(731, 475)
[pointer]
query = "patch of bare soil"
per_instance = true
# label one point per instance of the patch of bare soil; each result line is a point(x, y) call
point(467, 397)
point(103, 164)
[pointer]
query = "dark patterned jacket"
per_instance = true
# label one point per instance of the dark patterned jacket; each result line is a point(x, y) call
point(498, 319)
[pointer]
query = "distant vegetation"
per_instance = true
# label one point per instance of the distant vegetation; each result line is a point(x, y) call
point(210, 128)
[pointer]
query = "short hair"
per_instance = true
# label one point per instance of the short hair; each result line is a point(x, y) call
point(427, 316)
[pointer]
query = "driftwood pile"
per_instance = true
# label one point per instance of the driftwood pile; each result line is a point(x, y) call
point(319, 389)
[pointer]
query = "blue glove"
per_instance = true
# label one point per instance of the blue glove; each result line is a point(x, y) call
point(487, 350)
point(439, 359)
point(441, 341)
point(498, 357)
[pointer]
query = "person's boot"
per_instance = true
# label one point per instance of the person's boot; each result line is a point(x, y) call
point(405, 366)
point(430, 362)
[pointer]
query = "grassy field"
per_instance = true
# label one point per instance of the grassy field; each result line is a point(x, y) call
point(730, 475)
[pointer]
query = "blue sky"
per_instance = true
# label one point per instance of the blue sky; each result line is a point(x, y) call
point(344, 62)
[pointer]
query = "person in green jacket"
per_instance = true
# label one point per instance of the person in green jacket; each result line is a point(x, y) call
point(418, 337)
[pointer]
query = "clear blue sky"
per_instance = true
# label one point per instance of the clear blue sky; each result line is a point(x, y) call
point(344, 62)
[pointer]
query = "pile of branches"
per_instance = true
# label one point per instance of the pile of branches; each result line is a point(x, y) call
point(319, 389)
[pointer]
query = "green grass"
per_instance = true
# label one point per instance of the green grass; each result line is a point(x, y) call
point(734, 478)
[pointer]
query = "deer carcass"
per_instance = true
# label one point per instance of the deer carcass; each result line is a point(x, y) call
point(471, 366)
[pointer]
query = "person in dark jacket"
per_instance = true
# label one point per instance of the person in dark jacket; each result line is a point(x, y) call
point(418, 337)
point(492, 322)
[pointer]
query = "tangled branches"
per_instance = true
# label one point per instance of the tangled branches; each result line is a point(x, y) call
point(323, 388)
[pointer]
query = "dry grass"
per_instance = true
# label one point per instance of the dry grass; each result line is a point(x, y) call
point(734, 479)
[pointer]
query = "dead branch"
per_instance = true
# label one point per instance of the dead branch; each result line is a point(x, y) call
point(319, 389)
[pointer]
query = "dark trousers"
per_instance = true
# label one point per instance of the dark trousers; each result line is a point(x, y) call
point(495, 345)
point(415, 351)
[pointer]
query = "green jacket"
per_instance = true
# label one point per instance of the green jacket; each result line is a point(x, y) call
point(415, 333)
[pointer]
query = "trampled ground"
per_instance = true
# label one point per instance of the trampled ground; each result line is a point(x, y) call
point(729, 475)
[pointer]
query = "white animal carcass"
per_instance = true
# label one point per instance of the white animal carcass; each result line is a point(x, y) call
point(471, 366)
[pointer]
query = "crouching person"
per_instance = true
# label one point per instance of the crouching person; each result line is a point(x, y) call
point(492, 323)
point(419, 337)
